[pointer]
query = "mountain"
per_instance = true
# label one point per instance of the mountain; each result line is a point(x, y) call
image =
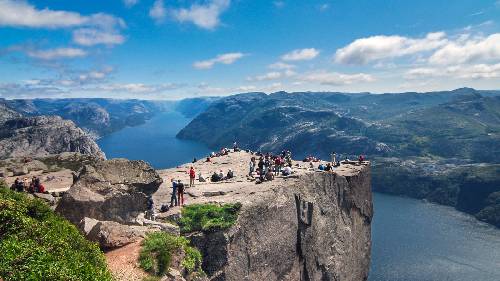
point(452, 138)
point(43, 135)
point(100, 117)
point(96, 116)
point(447, 124)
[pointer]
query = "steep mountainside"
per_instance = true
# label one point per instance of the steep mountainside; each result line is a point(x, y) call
point(97, 116)
point(415, 124)
point(435, 129)
point(6, 113)
point(103, 116)
point(43, 135)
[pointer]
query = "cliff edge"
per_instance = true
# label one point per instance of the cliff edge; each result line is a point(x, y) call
point(313, 225)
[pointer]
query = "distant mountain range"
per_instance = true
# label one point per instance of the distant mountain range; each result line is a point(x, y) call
point(100, 117)
point(458, 123)
point(447, 135)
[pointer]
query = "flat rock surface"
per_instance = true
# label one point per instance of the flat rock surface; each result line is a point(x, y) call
point(241, 188)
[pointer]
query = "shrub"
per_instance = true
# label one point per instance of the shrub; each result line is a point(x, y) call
point(208, 217)
point(157, 250)
point(37, 244)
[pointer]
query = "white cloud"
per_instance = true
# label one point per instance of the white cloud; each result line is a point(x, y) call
point(465, 50)
point(91, 37)
point(281, 65)
point(228, 58)
point(130, 3)
point(57, 53)
point(158, 11)
point(300, 54)
point(206, 16)
point(335, 78)
point(477, 71)
point(274, 75)
point(22, 14)
point(365, 50)
point(268, 76)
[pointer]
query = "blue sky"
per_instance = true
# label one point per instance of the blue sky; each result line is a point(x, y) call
point(169, 49)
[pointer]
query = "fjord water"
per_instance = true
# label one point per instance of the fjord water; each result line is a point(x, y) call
point(154, 142)
point(411, 240)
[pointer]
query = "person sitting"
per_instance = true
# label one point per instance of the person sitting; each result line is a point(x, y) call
point(200, 178)
point(194, 160)
point(361, 159)
point(221, 175)
point(321, 167)
point(269, 175)
point(208, 159)
point(17, 186)
point(311, 165)
point(215, 177)
point(41, 188)
point(287, 171)
point(328, 167)
point(230, 174)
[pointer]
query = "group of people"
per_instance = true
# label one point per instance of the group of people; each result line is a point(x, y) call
point(25, 185)
point(270, 165)
point(220, 176)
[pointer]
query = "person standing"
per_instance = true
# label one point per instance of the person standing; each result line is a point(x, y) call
point(251, 167)
point(192, 176)
point(173, 198)
point(180, 192)
point(334, 158)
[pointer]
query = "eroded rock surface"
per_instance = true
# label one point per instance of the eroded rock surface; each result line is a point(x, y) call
point(112, 190)
point(42, 136)
point(312, 226)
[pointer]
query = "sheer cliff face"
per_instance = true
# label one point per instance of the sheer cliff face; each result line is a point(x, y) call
point(314, 227)
point(44, 135)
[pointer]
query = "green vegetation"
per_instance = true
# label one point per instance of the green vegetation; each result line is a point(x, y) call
point(208, 217)
point(37, 244)
point(158, 249)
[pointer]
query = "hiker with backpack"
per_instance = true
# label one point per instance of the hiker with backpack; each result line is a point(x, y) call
point(180, 192)
point(192, 176)
point(173, 197)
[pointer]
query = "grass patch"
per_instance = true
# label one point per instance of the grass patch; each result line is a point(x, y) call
point(158, 249)
point(208, 217)
point(38, 244)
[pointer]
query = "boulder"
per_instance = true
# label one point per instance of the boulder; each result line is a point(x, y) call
point(112, 235)
point(46, 197)
point(111, 190)
point(20, 171)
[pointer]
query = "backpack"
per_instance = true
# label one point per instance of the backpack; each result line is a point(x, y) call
point(164, 208)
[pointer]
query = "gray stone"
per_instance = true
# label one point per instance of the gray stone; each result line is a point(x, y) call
point(163, 226)
point(43, 135)
point(213, 193)
point(111, 235)
point(315, 227)
point(46, 197)
point(112, 190)
point(20, 171)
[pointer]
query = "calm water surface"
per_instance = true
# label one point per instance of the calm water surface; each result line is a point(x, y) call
point(154, 142)
point(412, 240)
